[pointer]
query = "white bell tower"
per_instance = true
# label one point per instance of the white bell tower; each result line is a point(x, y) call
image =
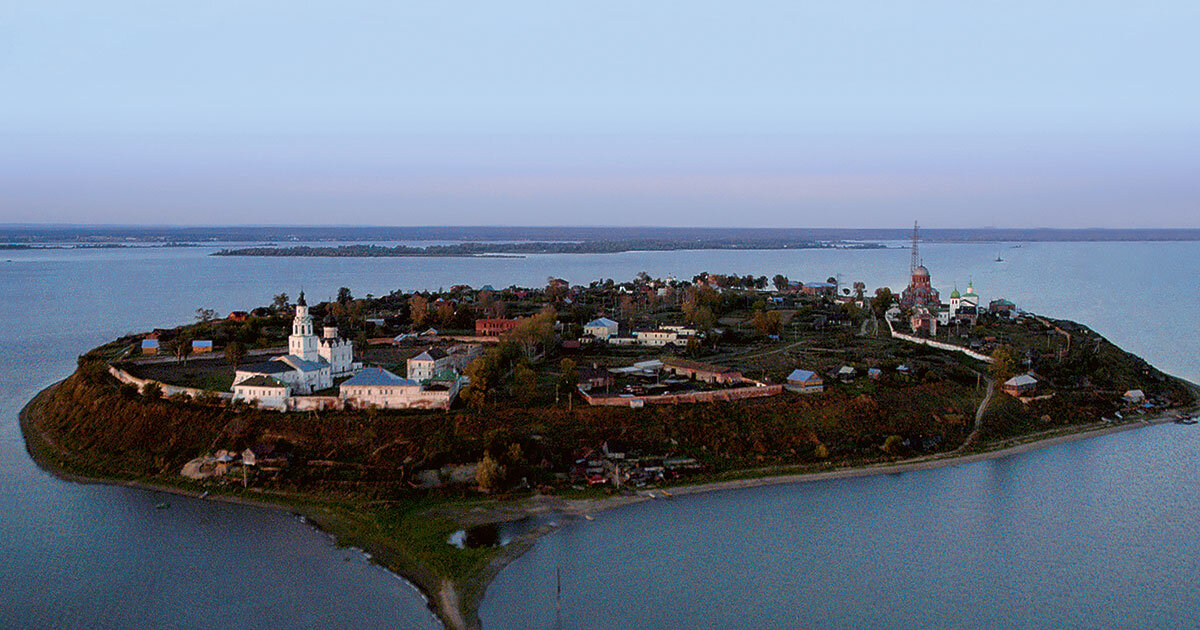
point(302, 342)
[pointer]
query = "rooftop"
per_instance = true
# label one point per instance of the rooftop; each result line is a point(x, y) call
point(376, 376)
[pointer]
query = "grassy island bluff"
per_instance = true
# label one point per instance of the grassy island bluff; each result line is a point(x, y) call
point(438, 429)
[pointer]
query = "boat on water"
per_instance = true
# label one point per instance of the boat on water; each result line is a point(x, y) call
point(998, 258)
point(1186, 420)
point(204, 495)
point(162, 506)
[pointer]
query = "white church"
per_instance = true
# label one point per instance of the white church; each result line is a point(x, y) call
point(311, 363)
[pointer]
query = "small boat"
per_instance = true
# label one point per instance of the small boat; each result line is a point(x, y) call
point(998, 258)
point(1186, 420)
point(204, 495)
point(667, 495)
point(589, 517)
point(162, 506)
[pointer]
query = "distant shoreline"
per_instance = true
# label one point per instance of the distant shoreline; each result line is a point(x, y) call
point(31, 234)
point(510, 250)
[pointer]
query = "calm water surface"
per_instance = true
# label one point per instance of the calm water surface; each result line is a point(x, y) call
point(1099, 533)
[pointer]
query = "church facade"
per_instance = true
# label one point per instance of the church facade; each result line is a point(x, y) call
point(311, 363)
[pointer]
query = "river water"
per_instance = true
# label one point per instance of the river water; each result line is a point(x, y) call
point(1099, 533)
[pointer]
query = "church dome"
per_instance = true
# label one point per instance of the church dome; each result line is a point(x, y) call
point(921, 271)
point(330, 320)
point(301, 301)
point(954, 293)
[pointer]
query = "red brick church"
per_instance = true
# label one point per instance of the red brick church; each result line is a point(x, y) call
point(919, 292)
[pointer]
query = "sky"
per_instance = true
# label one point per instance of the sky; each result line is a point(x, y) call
point(791, 114)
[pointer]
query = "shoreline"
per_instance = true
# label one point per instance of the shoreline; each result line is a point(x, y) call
point(442, 596)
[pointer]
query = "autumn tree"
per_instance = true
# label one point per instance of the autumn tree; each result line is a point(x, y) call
point(767, 322)
point(418, 308)
point(489, 474)
point(1003, 364)
point(445, 313)
point(534, 332)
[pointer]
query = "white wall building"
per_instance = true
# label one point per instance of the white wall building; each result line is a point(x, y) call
point(657, 337)
point(601, 328)
point(263, 391)
point(425, 365)
point(378, 388)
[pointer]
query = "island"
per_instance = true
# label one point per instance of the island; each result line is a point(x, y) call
point(471, 249)
point(437, 430)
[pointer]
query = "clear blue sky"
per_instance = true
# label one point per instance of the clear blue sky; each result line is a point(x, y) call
point(632, 113)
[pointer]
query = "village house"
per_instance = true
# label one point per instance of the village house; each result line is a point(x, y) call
point(601, 328)
point(805, 382)
point(847, 373)
point(202, 346)
point(1020, 385)
point(150, 345)
point(1134, 396)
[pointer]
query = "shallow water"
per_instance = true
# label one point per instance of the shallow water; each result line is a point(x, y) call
point(1090, 532)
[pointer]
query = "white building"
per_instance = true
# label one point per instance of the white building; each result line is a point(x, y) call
point(657, 337)
point(430, 362)
point(378, 388)
point(601, 328)
point(263, 391)
point(311, 362)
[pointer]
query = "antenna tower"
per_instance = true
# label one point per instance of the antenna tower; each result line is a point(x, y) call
point(916, 255)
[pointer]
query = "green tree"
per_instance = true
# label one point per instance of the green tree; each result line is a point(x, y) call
point(281, 302)
point(152, 390)
point(181, 348)
point(524, 383)
point(568, 375)
point(883, 301)
point(344, 296)
point(234, 353)
point(780, 281)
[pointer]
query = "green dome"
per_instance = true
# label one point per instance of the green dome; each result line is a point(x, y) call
point(954, 294)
